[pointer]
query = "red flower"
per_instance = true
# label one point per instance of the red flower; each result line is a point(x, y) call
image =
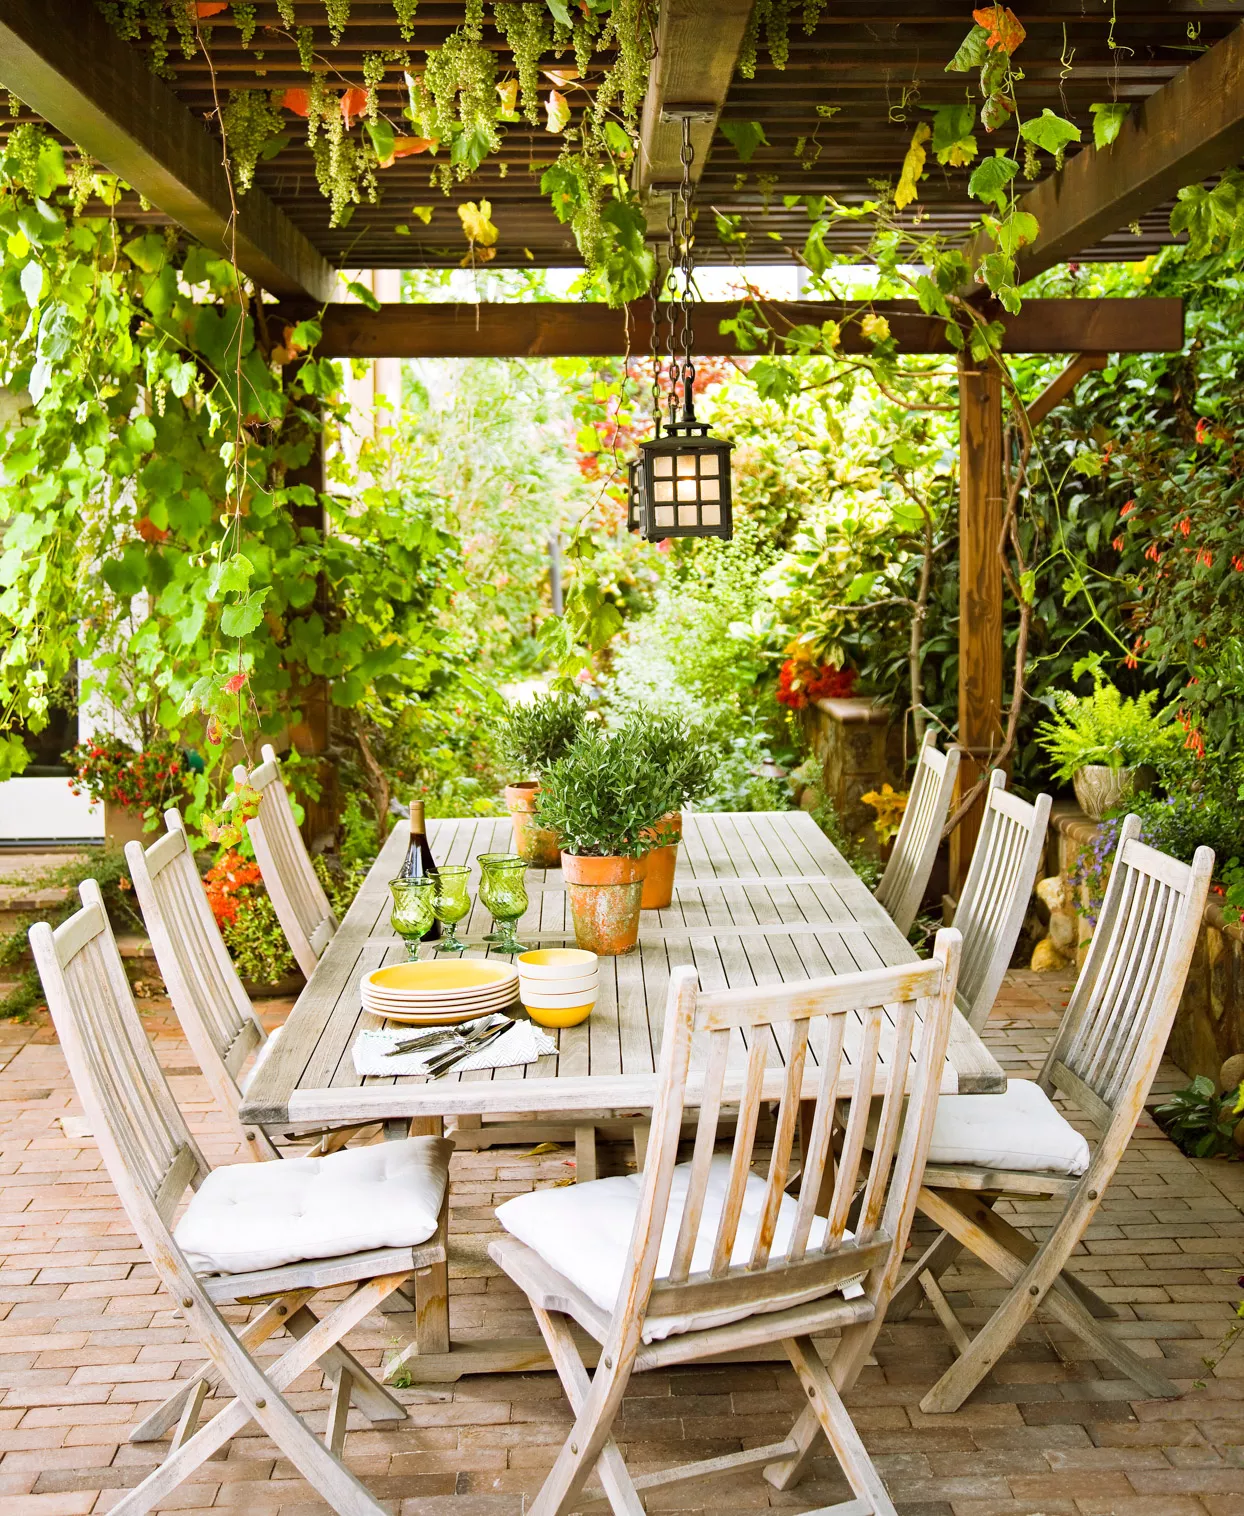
point(1202, 427)
point(1237, 563)
point(1185, 526)
point(1117, 544)
point(1203, 555)
point(1128, 508)
point(1152, 553)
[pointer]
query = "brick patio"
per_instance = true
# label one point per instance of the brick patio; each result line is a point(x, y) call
point(88, 1343)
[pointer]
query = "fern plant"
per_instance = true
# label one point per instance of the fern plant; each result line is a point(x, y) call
point(1107, 728)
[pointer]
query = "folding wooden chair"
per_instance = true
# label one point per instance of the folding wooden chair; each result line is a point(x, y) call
point(152, 1159)
point(1019, 1147)
point(213, 1008)
point(995, 895)
point(298, 898)
point(906, 876)
point(685, 1261)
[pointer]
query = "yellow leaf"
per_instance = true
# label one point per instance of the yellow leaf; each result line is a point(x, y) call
point(507, 90)
point(477, 223)
point(424, 212)
point(557, 111)
point(913, 167)
point(875, 328)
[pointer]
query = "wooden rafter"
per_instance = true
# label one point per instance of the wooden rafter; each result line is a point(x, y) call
point(1060, 387)
point(554, 329)
point(1189, 129)
point(698, 43)
point(66, 63)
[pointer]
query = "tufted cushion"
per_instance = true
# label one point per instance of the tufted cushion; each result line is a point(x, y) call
point(261, 1215)
point(584, 1232)
point(1020, 1130)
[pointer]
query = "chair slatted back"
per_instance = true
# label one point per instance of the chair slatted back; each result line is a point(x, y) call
point(822, 1035)
point(213, 1008)
point(150, 1154)
point(1114, 1032)
point(996, 892)
point(906, 876)
point(298, 898)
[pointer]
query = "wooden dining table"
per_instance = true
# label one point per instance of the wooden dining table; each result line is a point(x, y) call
point(759, 898)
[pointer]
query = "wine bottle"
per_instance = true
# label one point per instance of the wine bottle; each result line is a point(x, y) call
point(419, 860)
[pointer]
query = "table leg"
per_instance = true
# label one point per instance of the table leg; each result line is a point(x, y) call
point(427, 1290)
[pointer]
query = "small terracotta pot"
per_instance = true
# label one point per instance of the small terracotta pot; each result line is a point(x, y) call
point(540, 847)
point(662, 861)
point(605, 896)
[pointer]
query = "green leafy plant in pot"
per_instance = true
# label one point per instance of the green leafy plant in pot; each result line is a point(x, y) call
point(534, 735)
point(605, 799)
point(685, 754)
point(1107, 745)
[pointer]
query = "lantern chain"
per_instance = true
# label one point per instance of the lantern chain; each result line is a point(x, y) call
point(686, 234)
point(656, 352)
point(672, 262)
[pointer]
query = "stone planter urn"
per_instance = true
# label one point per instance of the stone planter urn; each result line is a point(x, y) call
point(1100, 788)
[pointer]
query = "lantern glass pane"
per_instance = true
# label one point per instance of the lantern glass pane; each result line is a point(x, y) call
point(663, 466)
point(688, 515)
point(686, 465)
point(708, 464)
point(687, 489)
point(665, 515)
point(710, 515)
point(664, 489)
point(710, 489)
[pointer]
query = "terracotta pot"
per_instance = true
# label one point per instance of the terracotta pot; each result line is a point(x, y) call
point(121, 825)
point(540, 847)
point(1100, 788)
point(662, 861)
point(605, 895)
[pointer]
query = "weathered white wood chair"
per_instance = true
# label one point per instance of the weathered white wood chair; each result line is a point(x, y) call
point(902, 886)
point(298, 898)
point(995, 895)
point(1018, 1146)
point(685, 1261)
point(276, 1232)
point(213, 1008)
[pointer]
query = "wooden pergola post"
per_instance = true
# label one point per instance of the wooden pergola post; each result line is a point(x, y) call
point(980, 591)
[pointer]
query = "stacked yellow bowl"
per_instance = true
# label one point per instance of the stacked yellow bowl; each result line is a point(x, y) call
point(558, 986)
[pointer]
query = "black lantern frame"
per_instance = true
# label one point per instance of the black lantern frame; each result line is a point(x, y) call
point(636, 518)
point(685, 483)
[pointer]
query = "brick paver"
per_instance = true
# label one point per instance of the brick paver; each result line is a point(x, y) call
point(88, 1343)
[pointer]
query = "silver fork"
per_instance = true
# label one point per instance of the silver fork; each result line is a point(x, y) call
point(450, 1036)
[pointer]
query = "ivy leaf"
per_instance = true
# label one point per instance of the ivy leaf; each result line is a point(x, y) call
point(774, 381)
point(973, 51)
point(1050, 132)
point(1107, 122)
point(744, 136)
point(953, 142)
point(471, 146)
point(1002, 27)
point(990, 179)
point(361, 292)
point(913, 167)
point(230, 575)
point(242, 616)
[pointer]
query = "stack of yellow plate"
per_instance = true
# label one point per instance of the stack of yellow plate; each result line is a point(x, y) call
point(439, 992)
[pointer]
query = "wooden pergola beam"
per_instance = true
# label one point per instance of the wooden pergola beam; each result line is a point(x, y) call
point(698, 43)
point(67, 64)
point(1189, 129)
point(554, 329)
point(1061, 386)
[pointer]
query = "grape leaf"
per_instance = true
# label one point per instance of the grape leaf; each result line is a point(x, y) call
point(972, 52)
point(953, 142)
point(1107, 121)
point(990, 178)
point(913, 167)
point(1002, 26)
point(744, 136)
point(1050, 132)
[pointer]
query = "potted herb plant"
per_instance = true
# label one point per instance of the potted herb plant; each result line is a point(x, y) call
point(605, 798)
point(685, 755)
point(1106, 745)
point(535, 735)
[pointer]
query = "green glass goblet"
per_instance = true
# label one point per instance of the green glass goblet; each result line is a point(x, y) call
point(412, 910)
point(451, 901)
point(502, 890)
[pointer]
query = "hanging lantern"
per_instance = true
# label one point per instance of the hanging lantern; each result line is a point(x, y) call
point(635, 497)
point(685, 484)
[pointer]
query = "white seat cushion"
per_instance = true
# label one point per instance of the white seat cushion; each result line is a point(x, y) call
point(584, 1232)
point(1020, 1130)
point(249, 1216)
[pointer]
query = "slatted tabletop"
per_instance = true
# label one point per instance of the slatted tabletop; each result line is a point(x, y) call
point(759, 898)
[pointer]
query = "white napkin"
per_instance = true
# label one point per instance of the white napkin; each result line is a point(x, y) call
point(523, 1043)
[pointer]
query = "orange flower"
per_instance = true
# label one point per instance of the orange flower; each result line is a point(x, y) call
point(1185, 526)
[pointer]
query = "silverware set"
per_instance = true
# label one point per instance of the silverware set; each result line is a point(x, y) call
point(456, 1043)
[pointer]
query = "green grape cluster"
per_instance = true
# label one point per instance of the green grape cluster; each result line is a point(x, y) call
point(338, 12)
point(285, 9)
point(24, 146)
point(406, 17)
point(458, 94)
point(81, 182)
point(344, 173)
point(528, 35)
point(306, 48)
point(245, 20)
point(473, 19)
point(373, 74)
point(774, 17)
point(248, 121)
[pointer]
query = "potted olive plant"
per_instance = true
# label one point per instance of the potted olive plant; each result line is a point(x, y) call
point(1106, 745)
point(534, 735)
point(685, 755)
point(604, 799)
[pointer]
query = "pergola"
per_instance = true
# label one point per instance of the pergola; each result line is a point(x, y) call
point(1178, 63)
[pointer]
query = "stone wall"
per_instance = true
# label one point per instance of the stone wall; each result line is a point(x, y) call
point(851, 741)
point(1209, 1024)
